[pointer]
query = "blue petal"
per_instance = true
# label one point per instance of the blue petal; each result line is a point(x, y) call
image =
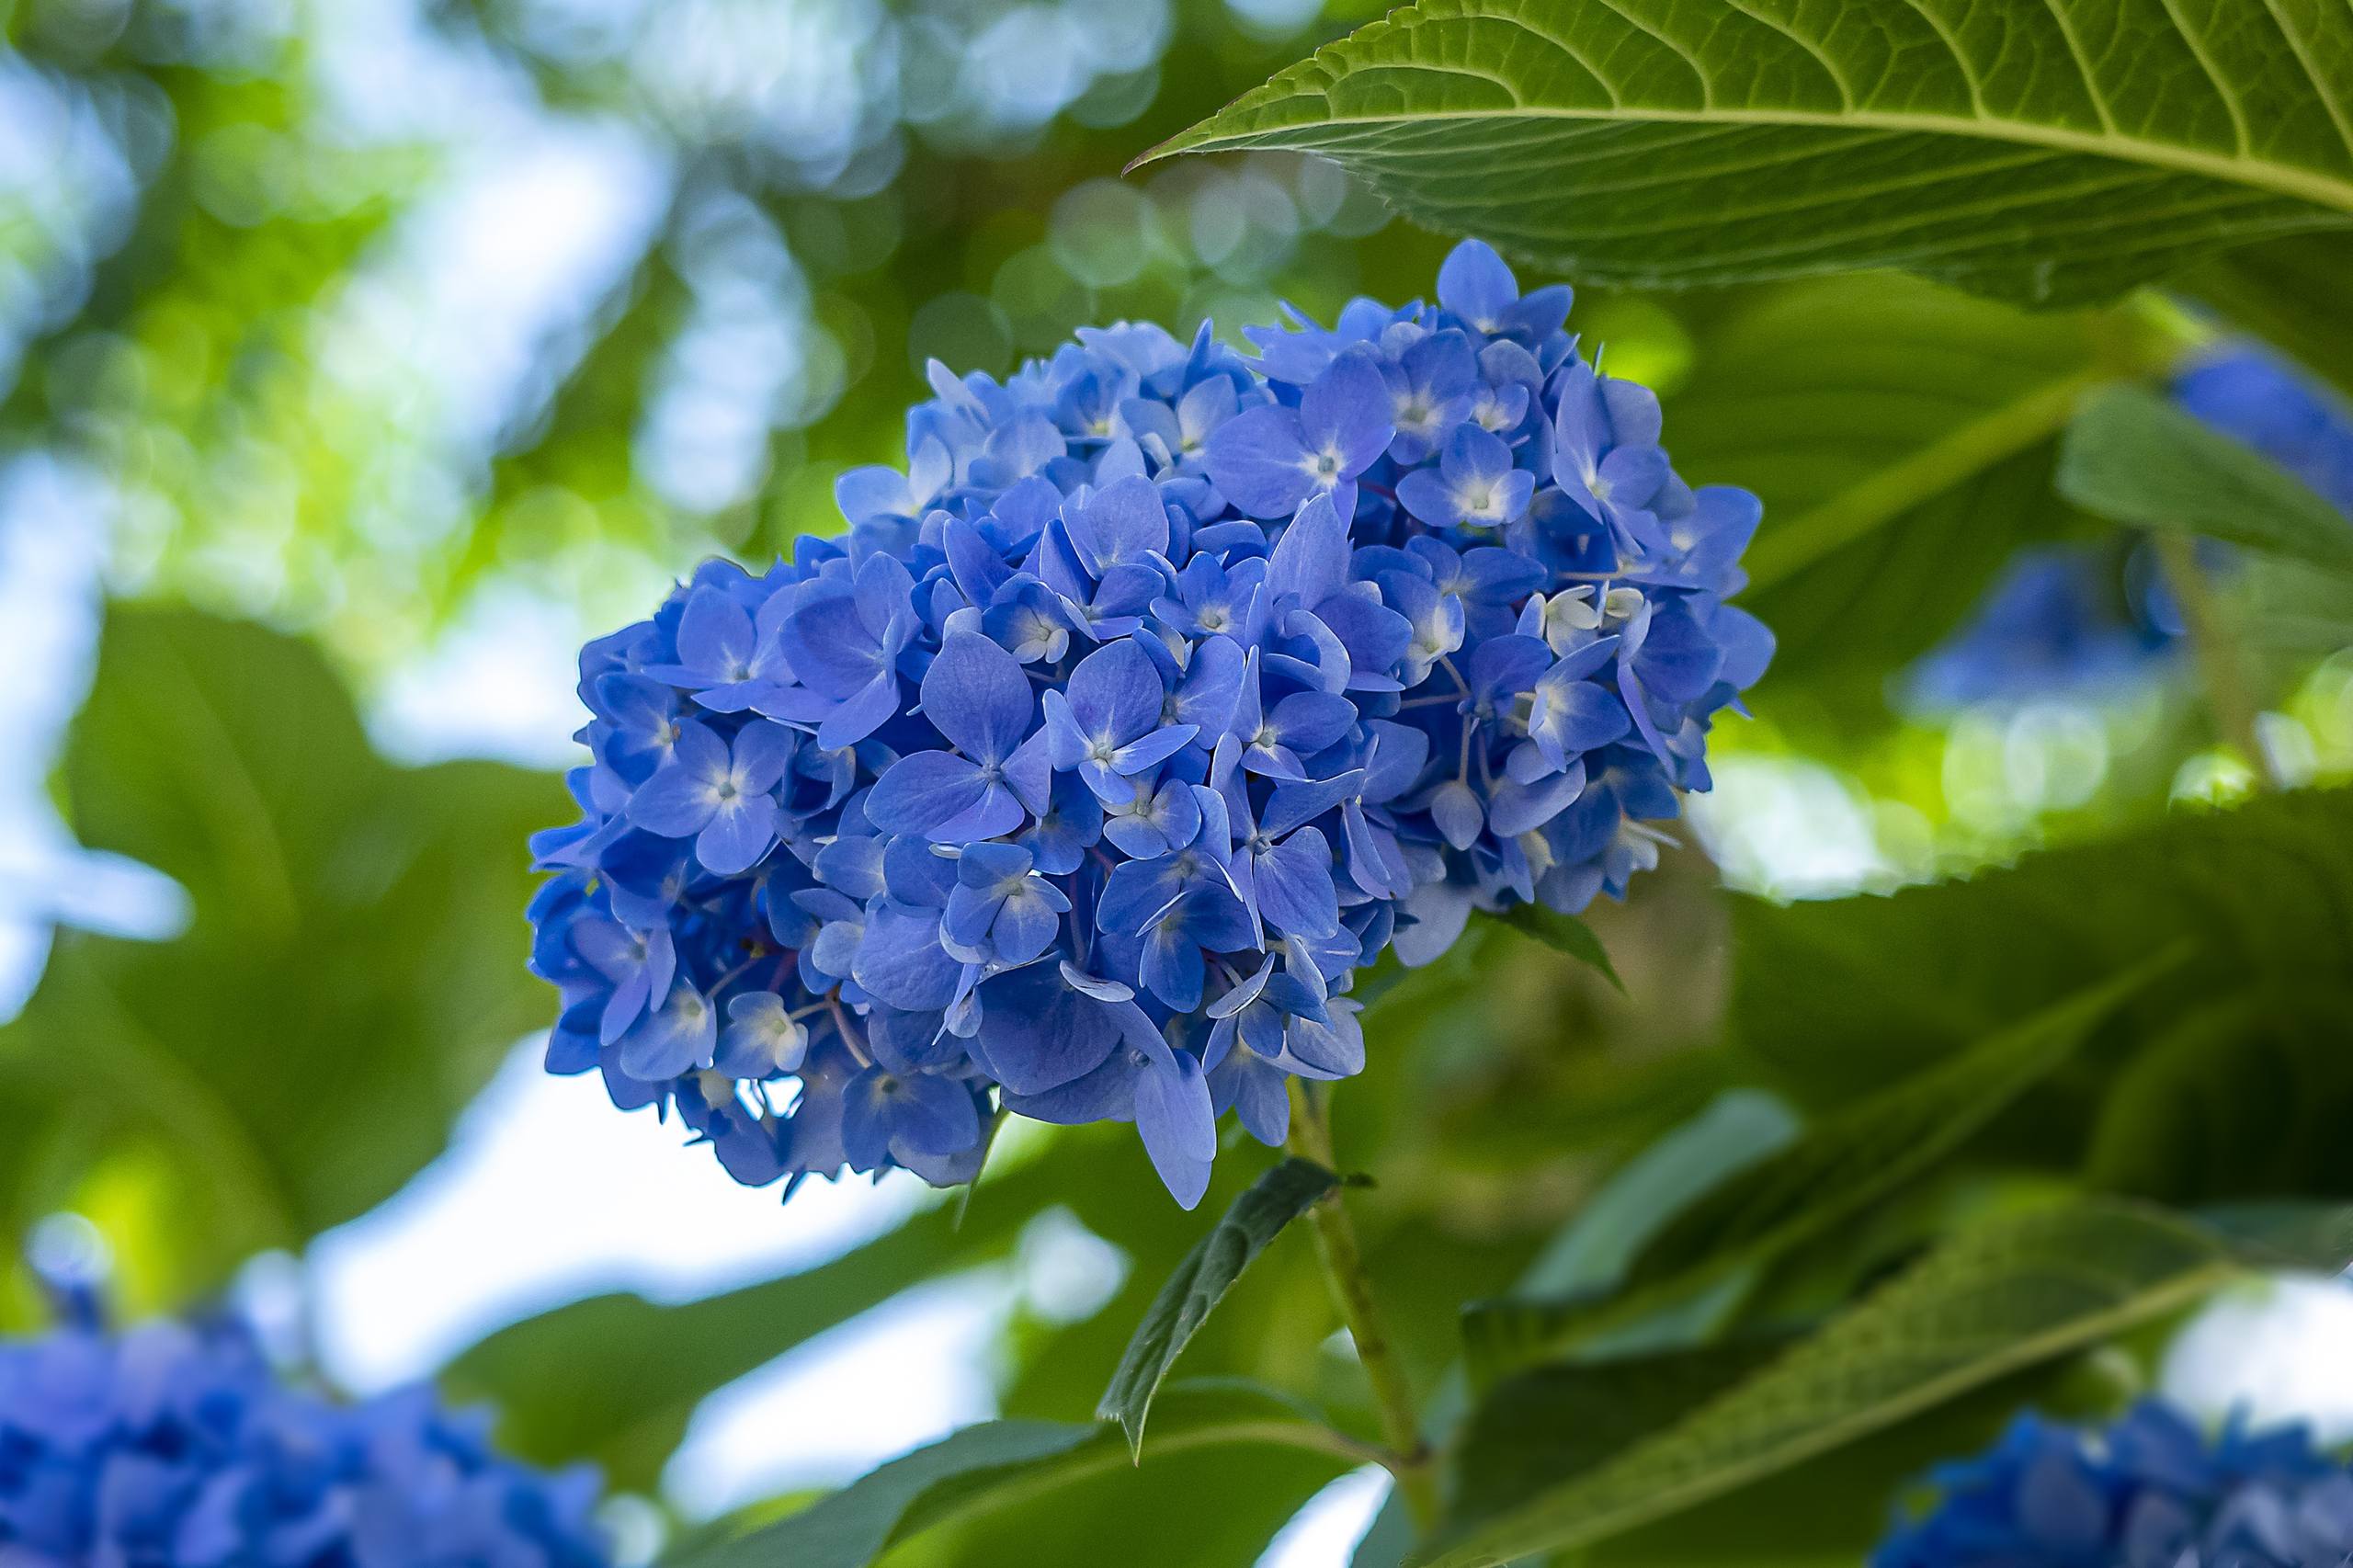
point(676, 803)
point(739, 833)
point(1178, 1125)
point(677, 1036)
point(1294, 887)
point(975, 695)
point(1475, 284)
point(715, 635)
point(922, 792)
point(901, 962)
point(860, 714)
point(1347, 409)
point(1258, 461)
point(1038, 1034)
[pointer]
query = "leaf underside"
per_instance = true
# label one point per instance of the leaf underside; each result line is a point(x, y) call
point(2053, 153)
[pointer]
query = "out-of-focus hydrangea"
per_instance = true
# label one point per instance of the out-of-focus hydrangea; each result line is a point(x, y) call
point(2151, 1491)
point(176, 1446)
point(1160, 692)
point(2080, 619)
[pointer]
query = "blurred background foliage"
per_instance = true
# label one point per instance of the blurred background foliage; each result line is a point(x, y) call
point(366, 355)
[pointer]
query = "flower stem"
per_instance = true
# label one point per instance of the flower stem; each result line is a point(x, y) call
point(1408, 1458)
point(2219, 669)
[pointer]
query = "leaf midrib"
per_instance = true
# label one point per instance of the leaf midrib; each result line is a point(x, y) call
point(2181, 1291)
point(2285, 179)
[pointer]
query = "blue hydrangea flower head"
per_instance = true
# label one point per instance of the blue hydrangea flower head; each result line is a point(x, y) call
point(2151, 1490)
point(1160, 693)
point(177, 1446)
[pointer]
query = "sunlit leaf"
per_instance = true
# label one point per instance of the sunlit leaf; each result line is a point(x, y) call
point(2048, 151)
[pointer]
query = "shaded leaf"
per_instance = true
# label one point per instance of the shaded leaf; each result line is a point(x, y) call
point(1997, 1298)
point(1563, 934)
point(2237, 1096)
point(1542, 1426)
point(1200, 1282)
point(2134, 456)
point(2290, 292)
point(1844, 995)
point(1000, 1464)
point(1901, 438)
point(1841, 1169)
point(2048, 151)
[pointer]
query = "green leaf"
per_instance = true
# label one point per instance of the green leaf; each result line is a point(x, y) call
point(1209, 1271)
point(1000, 1464)
point(1901, 437)
point(2290, 292)
point(1845, 996)
point(1740, 1129)
point(2316, 1238)
point(1997, 1298)
point(1542, 1426)
point(2136, 458)
point(1841, 1169)
point(1562, 934)
point(352, 972)
point(2238, 1096)
point(2049, 152)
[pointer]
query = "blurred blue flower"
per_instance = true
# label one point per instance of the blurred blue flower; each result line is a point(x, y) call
point(2080, 619)
point(1163, 693)
point(177, 1446)
point(2151, 1490)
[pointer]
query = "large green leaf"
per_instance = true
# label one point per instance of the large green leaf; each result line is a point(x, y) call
point(2290, 292)
point(1537, 1430)
point(1200, 1282)
point(2134, 456)
point(1901, 437)
point(2046, 150)
point(2239, 1098)
point(1001, 1464)
point(1844, 995)
point(1999, 1297)
point(1840, 1170)
point(353, 970)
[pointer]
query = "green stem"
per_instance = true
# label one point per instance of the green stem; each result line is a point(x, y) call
point(2219, 670)
point(1408, 1456)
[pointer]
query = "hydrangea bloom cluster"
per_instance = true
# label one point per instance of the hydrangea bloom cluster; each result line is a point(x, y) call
point(2079, 619)
point(177, 1446)
point(2149, 1491)
point(1159, 693)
